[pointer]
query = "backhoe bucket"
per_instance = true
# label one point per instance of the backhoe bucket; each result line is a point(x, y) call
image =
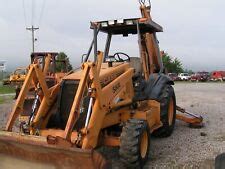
point(22, 151)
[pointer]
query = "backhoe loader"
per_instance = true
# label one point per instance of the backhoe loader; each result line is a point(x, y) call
point(18, 76)
point(48, 61)
point(53, 69)
point(114, 100)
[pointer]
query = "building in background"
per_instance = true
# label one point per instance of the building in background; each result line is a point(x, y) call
point(2, 68)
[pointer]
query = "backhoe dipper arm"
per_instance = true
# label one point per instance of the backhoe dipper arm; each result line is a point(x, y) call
point(150, 52)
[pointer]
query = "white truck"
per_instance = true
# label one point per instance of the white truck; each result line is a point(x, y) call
point(184, 76)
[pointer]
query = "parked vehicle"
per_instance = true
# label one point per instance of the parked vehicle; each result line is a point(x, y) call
point(184, 76)
point(200, 76)
point(174, 76)
point(6, 81)
point(218, 76)
point(17, 77)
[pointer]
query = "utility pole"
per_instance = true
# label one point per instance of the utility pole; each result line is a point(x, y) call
point(32, 29)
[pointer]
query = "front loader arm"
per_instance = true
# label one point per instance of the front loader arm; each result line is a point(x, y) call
point(35, 77)
point(18, 108)
point(91, 73)
point(74, 112)
point(104, 100)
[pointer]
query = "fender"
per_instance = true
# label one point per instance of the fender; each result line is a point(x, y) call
point(152, 88)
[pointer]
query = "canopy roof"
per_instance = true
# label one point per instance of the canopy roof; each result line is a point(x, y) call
point(128, 26)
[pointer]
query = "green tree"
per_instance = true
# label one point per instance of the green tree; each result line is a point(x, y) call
point(62, 58)
point(190, 72)
point(172, 65)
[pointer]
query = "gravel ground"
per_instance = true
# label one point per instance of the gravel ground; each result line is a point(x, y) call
point(5, 109)
point(186, 148)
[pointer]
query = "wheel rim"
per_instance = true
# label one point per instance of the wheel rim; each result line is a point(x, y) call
point(144, 144)
point(171, 112)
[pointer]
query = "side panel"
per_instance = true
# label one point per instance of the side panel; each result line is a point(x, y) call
point(148, 110)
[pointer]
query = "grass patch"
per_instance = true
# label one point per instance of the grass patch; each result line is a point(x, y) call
point(1, 100)
point(6, 89)
point(6, 99)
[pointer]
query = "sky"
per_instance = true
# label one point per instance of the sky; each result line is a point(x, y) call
point(194, 31)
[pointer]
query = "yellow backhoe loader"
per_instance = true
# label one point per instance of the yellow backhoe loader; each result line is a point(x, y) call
point(53, 69)
point(48, 61)
point(17, 77)
point(114, 100)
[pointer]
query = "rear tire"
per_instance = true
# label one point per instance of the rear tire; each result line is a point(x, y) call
point(134, 143)
point(168, 112)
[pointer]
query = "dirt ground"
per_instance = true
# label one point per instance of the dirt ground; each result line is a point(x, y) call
point(186, 148)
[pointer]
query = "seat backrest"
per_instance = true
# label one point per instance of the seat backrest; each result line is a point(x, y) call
point(135, 62)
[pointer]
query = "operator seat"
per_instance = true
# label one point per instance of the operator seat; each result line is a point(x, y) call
point(135, 62)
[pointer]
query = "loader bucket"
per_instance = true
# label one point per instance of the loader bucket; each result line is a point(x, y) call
point(22, 151)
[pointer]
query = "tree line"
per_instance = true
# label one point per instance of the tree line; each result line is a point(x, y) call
point(172, 64)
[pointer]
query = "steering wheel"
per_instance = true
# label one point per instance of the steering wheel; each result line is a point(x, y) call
point(121, 57)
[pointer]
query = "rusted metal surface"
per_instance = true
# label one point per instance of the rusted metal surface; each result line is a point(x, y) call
point(36, 149)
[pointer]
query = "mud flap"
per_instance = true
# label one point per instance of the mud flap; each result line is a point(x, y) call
point(34, 151)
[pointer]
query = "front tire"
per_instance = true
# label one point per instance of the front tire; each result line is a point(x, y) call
point(135, 143)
